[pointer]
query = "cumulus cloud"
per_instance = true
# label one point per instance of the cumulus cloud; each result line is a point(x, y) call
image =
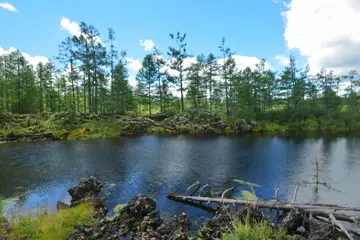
point(282, 60)
point(133, 64)
point(33, 60)
point(325, 32)
point(148, 45)
point(73, 28)
point(9, 7)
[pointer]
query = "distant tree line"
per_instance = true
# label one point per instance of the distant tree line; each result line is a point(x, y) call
point(94, 76)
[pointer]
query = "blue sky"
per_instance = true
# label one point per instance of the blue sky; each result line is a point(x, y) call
point(252, 28)
point(315, 31)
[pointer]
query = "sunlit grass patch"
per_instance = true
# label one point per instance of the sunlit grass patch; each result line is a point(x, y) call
point(51, 226)
point(255, 231)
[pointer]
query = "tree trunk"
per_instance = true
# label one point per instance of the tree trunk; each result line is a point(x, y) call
point(181, 90)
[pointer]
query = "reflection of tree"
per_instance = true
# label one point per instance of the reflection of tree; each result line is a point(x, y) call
point(352, 151)
point(317, 182)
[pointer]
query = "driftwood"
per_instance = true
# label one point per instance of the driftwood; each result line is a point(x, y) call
point(327, 211)
point(263, 204)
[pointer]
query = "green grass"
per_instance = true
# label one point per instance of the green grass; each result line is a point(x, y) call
point(96, 129)
point(257, 231)
point(51, 226)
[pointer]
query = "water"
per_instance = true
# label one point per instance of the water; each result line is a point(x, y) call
point(40, 173)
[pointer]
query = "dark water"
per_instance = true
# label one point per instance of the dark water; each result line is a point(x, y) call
point(40, 173)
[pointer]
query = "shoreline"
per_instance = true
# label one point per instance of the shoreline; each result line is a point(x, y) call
point(67, 126)
point(86, 218)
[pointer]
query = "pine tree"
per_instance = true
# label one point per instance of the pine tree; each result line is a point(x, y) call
point(211, 70)
point(228, 68)
point(148, 75)
point(177, 57)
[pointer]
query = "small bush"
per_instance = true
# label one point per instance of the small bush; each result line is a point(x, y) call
point(311, 125)
point(257, 231)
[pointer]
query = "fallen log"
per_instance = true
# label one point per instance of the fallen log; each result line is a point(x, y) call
point(322, 210)
point(327, 211)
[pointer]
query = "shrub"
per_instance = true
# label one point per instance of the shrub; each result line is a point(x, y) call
point(257, 231)
point(311, 125)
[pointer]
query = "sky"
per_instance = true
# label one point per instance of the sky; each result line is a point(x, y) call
point(321, 33)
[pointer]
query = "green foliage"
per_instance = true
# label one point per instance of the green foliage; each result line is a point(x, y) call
point(311, 125)
point(55, 226)
point(246, 183)
point(96, 129)
point(118, 207)
point(2, 211)
point(249, 196)
point(255, 231)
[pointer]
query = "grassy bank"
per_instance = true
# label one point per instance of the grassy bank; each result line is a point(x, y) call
point(66, 126)
point(56, 226)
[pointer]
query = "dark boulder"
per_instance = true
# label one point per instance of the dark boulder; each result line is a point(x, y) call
point(87, 187)
point(61, 205)
point(140, 206)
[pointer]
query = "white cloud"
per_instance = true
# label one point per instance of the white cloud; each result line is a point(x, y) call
point(9, 7)
point(33, 60)
point(324, 31)
point(148, 45)
point(73, 28)
point(282, 60)
point(133, 64)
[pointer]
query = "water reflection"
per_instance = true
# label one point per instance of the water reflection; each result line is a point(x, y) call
point(41, 173)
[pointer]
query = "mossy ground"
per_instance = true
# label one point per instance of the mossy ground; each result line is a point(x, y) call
point(64, 126)
point(54, 226)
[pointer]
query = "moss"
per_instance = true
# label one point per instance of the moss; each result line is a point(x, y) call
point(51, 226)
point(229, 131)
point(182, 129)
point(118, 207)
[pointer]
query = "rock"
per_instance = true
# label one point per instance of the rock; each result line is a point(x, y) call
point(86, 192)
point(294, 220)
point(86, 188)
point(159, 117)
point(61, 205)
point(241, 126)
point(136, 126)
point(139, 206)
point(11, 137)
point(220, 224)
point(138, 220)
point(321, 231)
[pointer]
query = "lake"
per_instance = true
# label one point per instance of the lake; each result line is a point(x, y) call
point(38, 174)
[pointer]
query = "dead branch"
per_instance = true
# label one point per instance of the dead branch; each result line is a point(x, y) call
point(337, 223)
point(295, 193)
